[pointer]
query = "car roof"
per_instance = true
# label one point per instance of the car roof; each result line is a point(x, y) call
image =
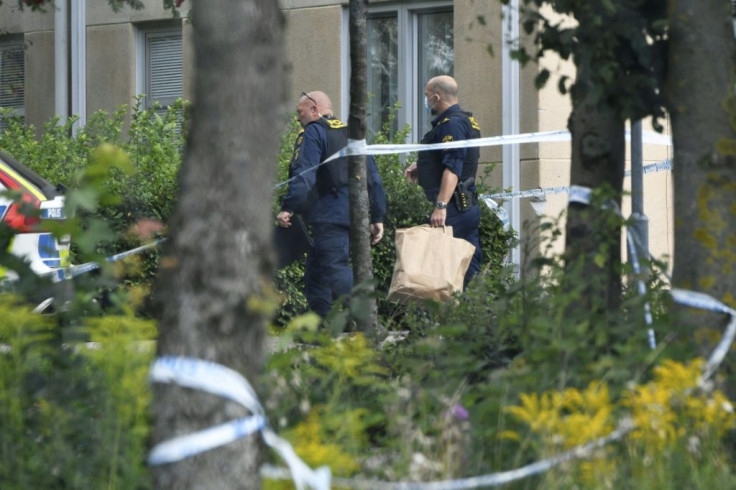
point(27, 178)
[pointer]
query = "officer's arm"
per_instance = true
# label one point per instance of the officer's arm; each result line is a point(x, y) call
point(447, 185)
point(303, 187)
point(453, 163)
point(453, 130)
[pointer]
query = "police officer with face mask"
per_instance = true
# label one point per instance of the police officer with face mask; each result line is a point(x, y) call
point(319, 193)
point(448, 176)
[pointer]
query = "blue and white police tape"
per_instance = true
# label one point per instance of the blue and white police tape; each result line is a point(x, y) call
point(654, 167)
point(359, 147)
point(579, 194)
point(77, 270)
point(540, 192)
point(183, 447)
point(219, 380)
point(499, 211)
point(482, 481)
point(704, 302)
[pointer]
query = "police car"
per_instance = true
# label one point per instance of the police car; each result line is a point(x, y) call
point(37, 246)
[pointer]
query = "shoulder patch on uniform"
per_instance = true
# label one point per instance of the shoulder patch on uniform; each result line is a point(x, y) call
point(335, 123)
point(474, 123)
point(299, 140)
point(447, 138)
point(447, 119)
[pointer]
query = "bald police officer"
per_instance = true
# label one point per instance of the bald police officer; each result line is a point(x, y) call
point(320, 194)
point(448, 176)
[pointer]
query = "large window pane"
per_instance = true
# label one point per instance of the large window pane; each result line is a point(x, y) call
point(383, 70)
point(436, 53)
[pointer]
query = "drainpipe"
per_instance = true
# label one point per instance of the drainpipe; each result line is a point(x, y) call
point(640, 223)
point(510, 92)
point(61, 63)
point(79, 63)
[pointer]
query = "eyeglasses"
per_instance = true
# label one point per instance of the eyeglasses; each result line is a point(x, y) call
point(304, 94)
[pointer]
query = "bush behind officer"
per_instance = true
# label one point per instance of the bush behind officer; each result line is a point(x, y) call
point(448, 176)
point(320, 194)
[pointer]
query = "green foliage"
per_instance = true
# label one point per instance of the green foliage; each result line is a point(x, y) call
point(120, 168)
point(72, 415)
point(73, 393)
point(622, 42)
point(501, 342)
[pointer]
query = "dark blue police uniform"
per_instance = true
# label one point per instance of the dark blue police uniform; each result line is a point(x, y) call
point(463, 211)
point(320, 194)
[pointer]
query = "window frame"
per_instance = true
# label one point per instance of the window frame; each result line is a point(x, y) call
point(407, 15)
point(8, 43)
point(144, 32)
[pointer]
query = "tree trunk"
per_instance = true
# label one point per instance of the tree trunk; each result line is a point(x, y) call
point(593, 233)
point(702, 106)
point(360, 247)
point(217, 258)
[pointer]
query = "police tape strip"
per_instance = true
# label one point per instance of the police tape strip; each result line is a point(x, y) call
point(77, 270)
point(704, 302)
point(539, 192)
point(499, 478)
point(654, 167)
point(183, 447)
point(359, 147)
point(580, 194)
point(219, 380)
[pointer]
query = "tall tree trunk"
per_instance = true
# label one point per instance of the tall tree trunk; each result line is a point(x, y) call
point(593, 233)
point(217, 257)
point(360, 247)
point(700, 93)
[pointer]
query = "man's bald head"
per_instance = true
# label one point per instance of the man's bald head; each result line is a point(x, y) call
point(444, 85)
point(443, 89)
point(312, 106)
point(324, 104)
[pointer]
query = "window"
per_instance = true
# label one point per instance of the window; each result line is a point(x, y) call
point(406, 46)
point(436, 55)
point(160, 74)
point(12, 76)
point(382, 63)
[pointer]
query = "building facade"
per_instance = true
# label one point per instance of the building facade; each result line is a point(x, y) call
point(131, 53)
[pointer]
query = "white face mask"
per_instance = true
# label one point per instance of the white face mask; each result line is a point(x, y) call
point(426, 103)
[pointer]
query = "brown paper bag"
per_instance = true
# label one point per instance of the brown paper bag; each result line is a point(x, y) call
point(430, 264)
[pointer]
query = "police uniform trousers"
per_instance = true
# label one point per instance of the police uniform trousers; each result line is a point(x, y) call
point(465, 225)
point(327, 273)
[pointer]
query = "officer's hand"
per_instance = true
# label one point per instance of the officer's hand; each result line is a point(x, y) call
point(284, 218)
point(438, 217)
point(376, 232)
point(410, 173)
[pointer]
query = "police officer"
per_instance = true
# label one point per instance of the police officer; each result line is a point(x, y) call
point(320, 194)
point(448, 176)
